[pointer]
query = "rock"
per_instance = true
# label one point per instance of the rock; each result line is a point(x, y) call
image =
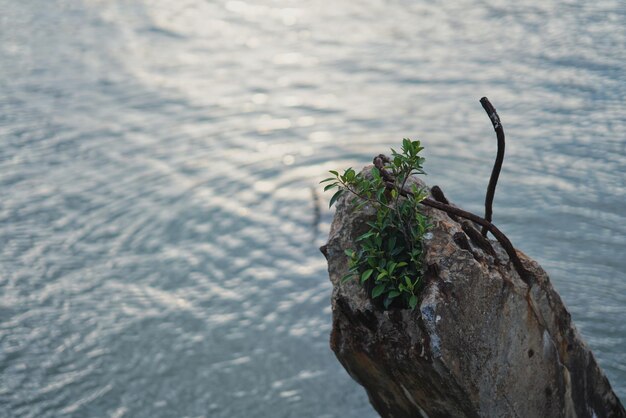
point(481, 343)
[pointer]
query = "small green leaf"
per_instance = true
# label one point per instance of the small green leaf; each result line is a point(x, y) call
point(346, 278)
point(396, 251)
point(349, 252)
point(350, 175)
point(333, 172)
point(366, 275)
point(328, 179)
point(379, 193)
point(393, 294)
point(378, 290)
point(413, 302)
point(334, 198)
point(330, 186)
point(365, 236)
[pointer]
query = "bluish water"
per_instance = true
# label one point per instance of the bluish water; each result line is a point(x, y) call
point(159, 163)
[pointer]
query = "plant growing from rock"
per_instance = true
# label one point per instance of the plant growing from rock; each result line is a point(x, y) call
point(374, 262)
point(388, 257)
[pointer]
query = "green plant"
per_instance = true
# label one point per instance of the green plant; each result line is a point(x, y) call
point(388, 257)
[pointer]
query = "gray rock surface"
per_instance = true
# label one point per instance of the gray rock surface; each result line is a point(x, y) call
point(481, 343)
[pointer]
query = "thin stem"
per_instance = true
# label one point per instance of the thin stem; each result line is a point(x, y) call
point(360, 196)
point(497, 166)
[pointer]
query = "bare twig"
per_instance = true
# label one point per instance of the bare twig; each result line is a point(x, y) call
point(451, 210)
point(524, 274)
point(379, 163)
point(437, 193)
point(497, 166)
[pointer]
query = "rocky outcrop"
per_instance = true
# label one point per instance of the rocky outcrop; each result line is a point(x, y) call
point(481, 343)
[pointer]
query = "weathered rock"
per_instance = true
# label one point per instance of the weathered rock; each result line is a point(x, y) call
point(482, 343)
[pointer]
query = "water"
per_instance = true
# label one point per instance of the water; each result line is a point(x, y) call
point(159, 167)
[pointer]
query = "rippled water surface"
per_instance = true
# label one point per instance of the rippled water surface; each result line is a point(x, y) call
point(159, 168)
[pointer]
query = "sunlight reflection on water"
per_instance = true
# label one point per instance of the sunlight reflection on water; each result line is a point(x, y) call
point(160, 169)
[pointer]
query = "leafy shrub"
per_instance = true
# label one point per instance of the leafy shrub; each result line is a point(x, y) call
point(388, 257)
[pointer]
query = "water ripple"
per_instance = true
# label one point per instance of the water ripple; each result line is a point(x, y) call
point(160, 210)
